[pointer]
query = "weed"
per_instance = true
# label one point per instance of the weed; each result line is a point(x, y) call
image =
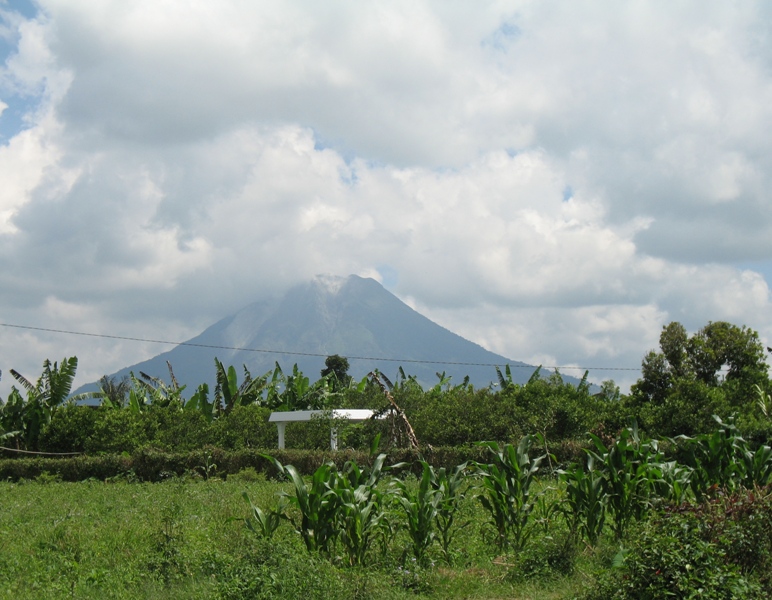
point(168, 539)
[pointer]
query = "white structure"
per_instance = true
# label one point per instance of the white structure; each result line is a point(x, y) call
point(282, 418)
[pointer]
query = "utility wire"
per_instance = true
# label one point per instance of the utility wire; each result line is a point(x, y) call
point(40, 453)
point(286, 352)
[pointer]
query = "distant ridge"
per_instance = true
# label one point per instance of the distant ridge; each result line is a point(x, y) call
point(351, 316)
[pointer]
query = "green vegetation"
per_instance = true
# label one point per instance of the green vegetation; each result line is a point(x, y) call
point(369, 531)
point(542, 490)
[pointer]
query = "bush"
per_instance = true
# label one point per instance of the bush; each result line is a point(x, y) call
point(461, 416)
point(117, 431)
point(274, 569)
point(546, 558)
point(742, 525)
point(176, 430)
point(245, 427)
point(69, 429)
point(675, 555)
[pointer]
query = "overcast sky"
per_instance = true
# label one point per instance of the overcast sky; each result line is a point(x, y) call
point(553, 180)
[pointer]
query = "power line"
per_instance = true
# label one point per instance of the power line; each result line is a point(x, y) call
point(40, 453)
point(290, 353)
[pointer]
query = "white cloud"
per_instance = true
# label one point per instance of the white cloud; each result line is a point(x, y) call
point(552, 180)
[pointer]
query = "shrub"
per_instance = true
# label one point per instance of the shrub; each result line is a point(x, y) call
point(245, 427)
point(117, 431)
point(677, 555)
point(460, 416)
point(274, 569)
point(742, 525)
point(177, 430)
point(69, 429)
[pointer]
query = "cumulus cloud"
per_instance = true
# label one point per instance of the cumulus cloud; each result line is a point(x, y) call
point(554, 181)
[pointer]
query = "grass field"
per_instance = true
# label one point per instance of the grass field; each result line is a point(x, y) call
point(186, 538)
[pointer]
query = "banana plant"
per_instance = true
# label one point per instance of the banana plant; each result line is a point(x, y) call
point(296, 391)
point(401, 382)
point(763, 401)
point(54, 385)
point(273, 386)
point(51, 390)
point(535, 376)
point(261, 390)
point(137, 396)
point(155, 391)
point(444, 382)
point(226, 392)
point(505, 379)
point(200, 402)
point(300, 394)
point(11, 417)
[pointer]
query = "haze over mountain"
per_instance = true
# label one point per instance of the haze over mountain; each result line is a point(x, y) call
point(351, 316)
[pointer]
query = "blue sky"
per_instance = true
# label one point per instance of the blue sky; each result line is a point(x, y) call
point(555, 181)
point(17, 105)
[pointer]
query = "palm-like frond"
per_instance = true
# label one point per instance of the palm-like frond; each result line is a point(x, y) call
point(25, 383)
point(57, 381)
point(172, 378)
point(535, 376)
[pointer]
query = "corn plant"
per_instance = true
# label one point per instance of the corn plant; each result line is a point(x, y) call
point(544, 508)
point(631, 471)
point(361, 515)
point(506, 483)
point(715, 459)
point(265, 523)
point(585, 501)
point(421, 508)
point(757, 466)
point(763, 401)
point(317, 502)
point(675, 483)
point(450, 486)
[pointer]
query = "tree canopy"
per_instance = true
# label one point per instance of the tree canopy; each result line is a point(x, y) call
point(693, 377)
point(337, 366)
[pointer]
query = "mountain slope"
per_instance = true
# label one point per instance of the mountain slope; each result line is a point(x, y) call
point(354, 317)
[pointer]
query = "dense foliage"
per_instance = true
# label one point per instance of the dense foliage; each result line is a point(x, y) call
point(689, 531)
point(666, 491)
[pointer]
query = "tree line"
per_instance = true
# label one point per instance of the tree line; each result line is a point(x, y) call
point(719, 370)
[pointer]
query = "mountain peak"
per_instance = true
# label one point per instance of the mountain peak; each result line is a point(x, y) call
point(331, 284)
point(352, 316)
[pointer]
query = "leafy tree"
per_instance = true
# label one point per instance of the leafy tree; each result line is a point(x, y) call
point(336, 368)
point(691, 378)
